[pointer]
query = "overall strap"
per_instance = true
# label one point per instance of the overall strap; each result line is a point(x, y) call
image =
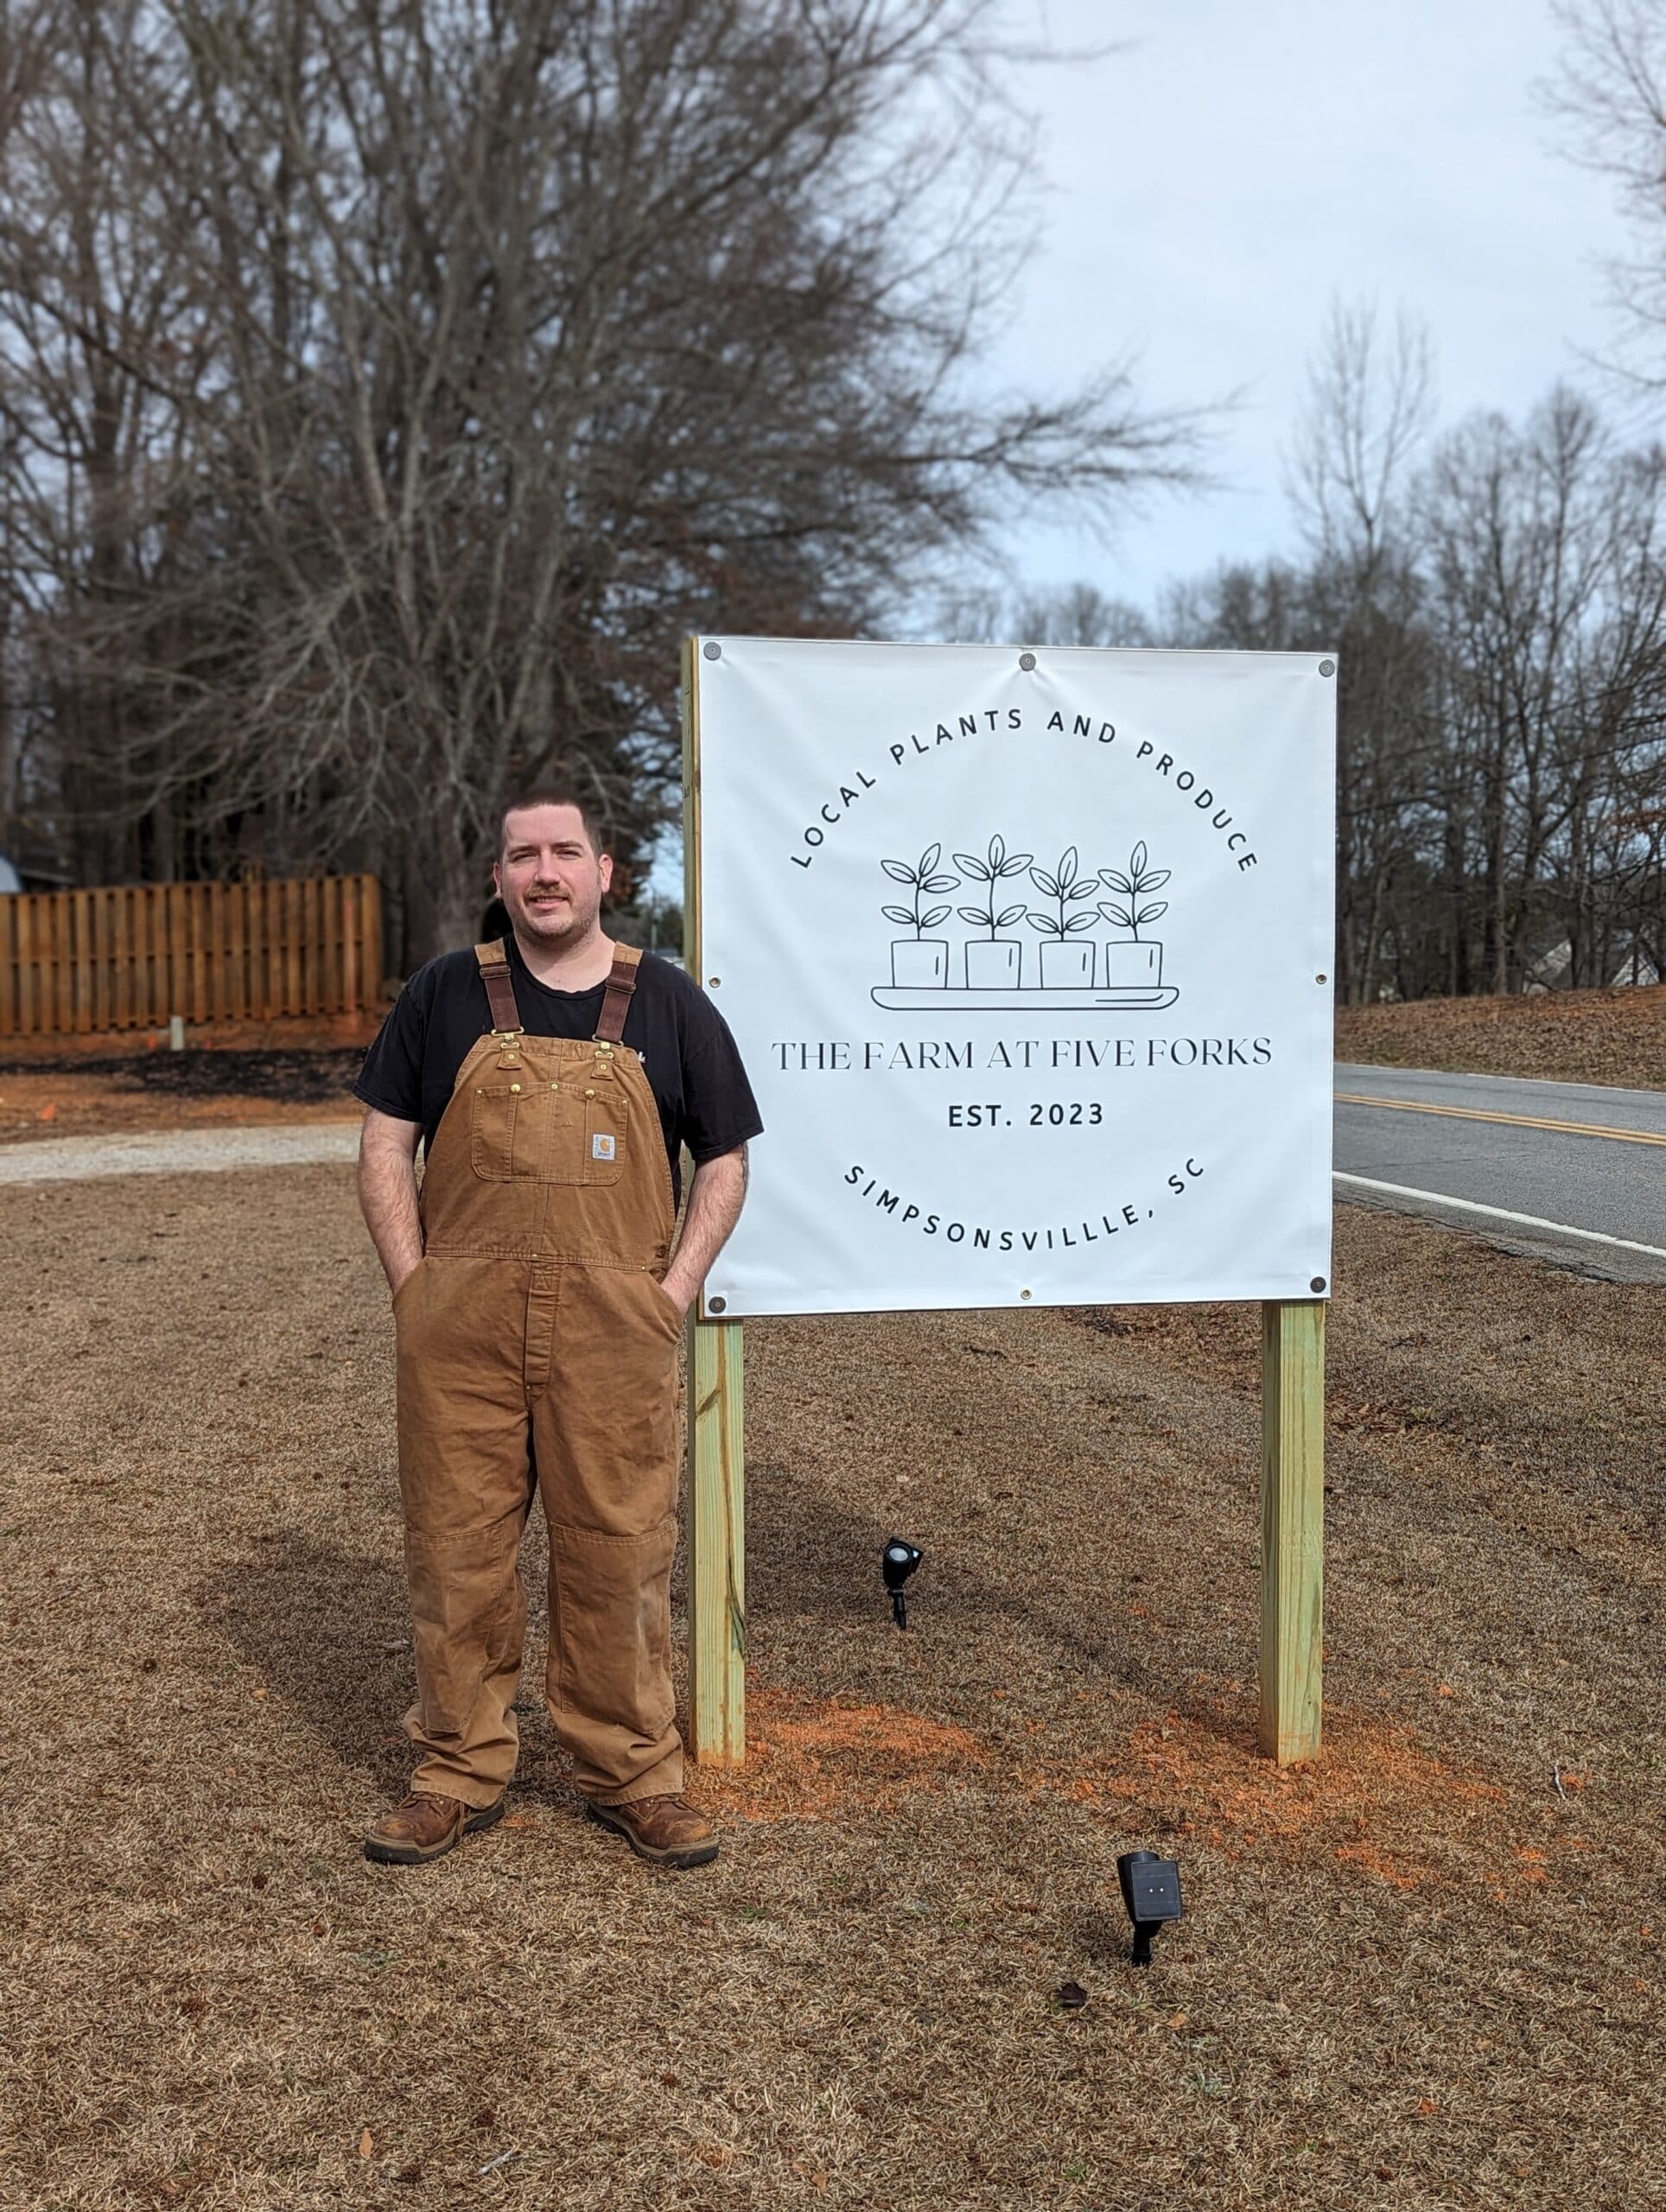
point(616, 999)
point(500, 989)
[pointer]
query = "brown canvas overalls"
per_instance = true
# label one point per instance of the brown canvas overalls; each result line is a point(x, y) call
point(537, 1348)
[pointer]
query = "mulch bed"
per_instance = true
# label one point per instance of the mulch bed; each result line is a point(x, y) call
point(1609, 1037)
point(1423, 1973)
point(84, 1095)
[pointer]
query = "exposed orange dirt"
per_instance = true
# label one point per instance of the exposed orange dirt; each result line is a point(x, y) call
point(1374, 1801)
point(97, 1086)
point(35, 1106)
point(810, 1758)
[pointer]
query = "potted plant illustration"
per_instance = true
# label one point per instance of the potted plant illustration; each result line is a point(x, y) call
point(992, 964)
point(1136, 962)
point(919, 962)
point(1066, 962)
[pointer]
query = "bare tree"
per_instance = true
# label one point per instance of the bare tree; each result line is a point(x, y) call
point(1517, 545)
point(1500, 610)
point(1067, 614)
point(1610, 101)
point(1370, 405)
point(475, 352)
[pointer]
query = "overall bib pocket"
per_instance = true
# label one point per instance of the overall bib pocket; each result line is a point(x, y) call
point(504, 1137)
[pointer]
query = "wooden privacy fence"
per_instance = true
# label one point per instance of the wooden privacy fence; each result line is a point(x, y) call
point(133, 956)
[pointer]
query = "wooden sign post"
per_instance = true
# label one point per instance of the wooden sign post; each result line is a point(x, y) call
point(717, 1568)
point(716, 1418)
point(1292, 1527)
point(1292, 1464)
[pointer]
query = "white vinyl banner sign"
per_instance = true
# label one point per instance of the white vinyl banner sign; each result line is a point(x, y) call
point(1027, 956)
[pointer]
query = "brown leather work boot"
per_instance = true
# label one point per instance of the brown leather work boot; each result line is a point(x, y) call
point(667, 1831)
point(426, 1826)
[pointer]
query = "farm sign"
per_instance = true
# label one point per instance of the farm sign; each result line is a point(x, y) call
point(1027, 955)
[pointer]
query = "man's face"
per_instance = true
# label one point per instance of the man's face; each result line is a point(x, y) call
point(551, 877)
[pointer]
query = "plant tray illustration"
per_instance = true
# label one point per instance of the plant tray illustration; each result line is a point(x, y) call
point(1066, 972)
point(1036, 999)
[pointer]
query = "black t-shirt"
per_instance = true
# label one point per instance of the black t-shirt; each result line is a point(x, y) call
point(687, 1052)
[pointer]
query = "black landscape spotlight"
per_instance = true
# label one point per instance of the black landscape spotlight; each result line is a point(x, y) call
point(897, 1562)
point(1151, 1890)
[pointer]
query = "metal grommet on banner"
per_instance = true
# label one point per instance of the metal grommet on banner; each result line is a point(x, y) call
point(1023, 1293)
point(712, 649)
point(1026, 660)
point(717, 1305)
point(1327, 668)
point(1318, 1283)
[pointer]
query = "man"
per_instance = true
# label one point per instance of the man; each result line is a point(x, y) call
point(552, 1079)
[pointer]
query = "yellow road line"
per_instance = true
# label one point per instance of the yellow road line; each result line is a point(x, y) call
point(1512, 1121)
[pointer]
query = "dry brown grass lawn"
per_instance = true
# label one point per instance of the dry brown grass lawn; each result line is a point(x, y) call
point(1413, 1976)
point(1617, 1037)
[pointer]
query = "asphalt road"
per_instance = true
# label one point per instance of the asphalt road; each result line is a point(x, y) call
point(1570, 1171)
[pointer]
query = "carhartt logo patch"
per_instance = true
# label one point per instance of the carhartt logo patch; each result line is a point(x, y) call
point(603, 1147)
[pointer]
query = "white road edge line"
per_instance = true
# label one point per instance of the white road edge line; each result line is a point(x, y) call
point(1530, 1082)
point(1500, 1213)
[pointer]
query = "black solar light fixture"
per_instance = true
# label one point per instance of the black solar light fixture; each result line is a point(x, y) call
point(897, 1562)
point(1151, 1891)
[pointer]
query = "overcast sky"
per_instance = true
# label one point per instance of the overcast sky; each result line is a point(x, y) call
point(1210, 185)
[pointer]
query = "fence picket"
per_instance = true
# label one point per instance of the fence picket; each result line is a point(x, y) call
point(8, 965)
point(350, 929)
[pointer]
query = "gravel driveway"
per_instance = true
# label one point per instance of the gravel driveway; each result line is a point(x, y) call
point(172, 1152)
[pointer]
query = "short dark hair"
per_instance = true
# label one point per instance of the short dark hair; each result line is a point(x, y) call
point(551, 795)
